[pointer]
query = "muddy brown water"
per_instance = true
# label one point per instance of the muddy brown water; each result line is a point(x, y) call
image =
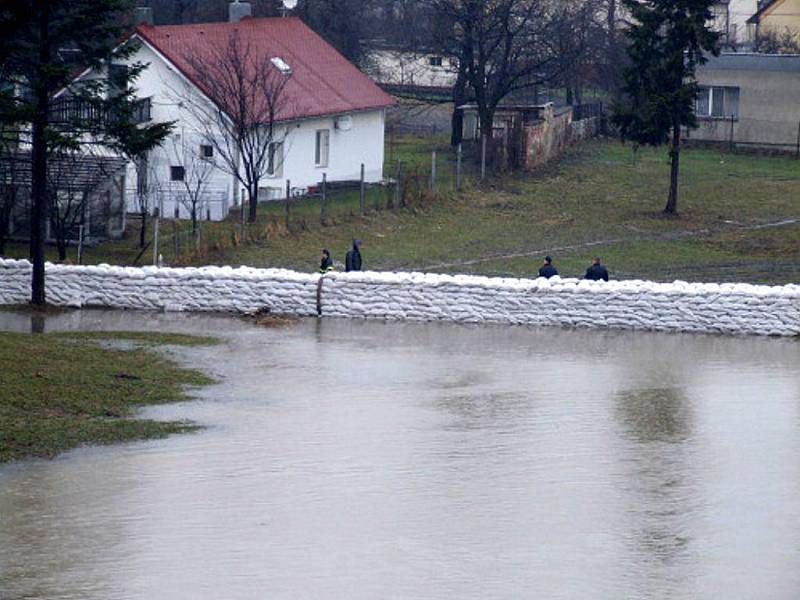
point(351, 459)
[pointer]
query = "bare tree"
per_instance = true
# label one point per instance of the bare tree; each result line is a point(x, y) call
point(67, 199)
point(501, 46)
point(579, 39)
point(10, 188)
point(337, 22)
point(147, 181)
point(243, 93)
point(197, 171)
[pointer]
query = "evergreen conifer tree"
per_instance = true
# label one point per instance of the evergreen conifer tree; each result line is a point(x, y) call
point(668, 39)
point(44, 45)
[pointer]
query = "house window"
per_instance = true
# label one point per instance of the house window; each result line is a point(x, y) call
point(275, 160)
point(435, 61)
point(322, 148)
point(177, 173)
point(206, 151)
point(717, 102)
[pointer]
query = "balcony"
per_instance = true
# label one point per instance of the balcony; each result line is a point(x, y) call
point(76, 111)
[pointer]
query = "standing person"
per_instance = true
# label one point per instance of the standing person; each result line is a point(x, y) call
point(326, 264)
point(547, 270)
point(352, 261)
point(597, 271)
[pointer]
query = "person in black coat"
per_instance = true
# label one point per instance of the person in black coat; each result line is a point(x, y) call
point(597, 271)
point(352, 261)
point(547, 270)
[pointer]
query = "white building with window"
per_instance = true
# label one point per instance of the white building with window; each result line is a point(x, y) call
point(418, 70)
point(731, 20)
point(749, 100)
point(331, 121)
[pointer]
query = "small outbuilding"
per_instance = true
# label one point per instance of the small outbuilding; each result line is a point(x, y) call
point(749, 100)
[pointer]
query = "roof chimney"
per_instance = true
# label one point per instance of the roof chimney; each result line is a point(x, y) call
point(144, 15)
point(238, 11)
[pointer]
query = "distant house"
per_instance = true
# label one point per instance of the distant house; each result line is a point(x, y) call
point(330, 121)
point(731, 20)
point(777, 16)
point(749, 100)
point(421, 71)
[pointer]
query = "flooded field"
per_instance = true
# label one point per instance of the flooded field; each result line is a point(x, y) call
point(352, 459)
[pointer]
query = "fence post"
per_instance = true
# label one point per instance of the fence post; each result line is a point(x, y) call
point(362, 193)
point(483, 157)
point(458, 167)
point(730, 141)
point(155, 237)
point(288, 194)
point(396, 202)
point(323, 198)
point(797, 154)
point(433, 171)
point(175, 238)
point(80, 243)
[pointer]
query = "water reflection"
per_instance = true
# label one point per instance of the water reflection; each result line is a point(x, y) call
point(654, 415)
point(369, 460)
point(658, 426)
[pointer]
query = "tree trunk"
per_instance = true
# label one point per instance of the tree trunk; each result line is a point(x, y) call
point(61, 243)
point(253, 208)
point(675, 156)
point(39, 159)
point(457, 120)
point(194, 220)
point(143, 229)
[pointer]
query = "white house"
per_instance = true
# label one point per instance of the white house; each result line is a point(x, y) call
point(420, 69)
point(331, 121)
point(731, 20)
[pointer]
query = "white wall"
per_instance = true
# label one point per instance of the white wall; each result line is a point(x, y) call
point(362, 143)
point(678, 307)
point(410, 68)
point(739, 11)
point(164, 85)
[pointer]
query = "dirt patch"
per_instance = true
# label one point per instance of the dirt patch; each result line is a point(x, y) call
point(264, 317)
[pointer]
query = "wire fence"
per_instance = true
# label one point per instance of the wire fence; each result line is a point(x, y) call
point(747, 134)
point(418, 171)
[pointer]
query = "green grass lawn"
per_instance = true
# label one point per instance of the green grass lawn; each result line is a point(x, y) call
point(63, 390)
point(601, 193)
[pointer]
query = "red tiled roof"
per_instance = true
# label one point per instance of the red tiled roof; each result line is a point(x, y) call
point(323, 81)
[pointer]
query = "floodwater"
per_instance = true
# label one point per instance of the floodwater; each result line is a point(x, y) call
point(352, 459)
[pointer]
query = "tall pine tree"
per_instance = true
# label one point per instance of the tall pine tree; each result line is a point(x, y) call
point(668, 39)
point(43, 45)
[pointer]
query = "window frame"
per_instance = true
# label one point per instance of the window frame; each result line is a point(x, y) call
point(275, 168)
point(174, 170)
point(204, 148)
point(711, 92)
point(318, 155)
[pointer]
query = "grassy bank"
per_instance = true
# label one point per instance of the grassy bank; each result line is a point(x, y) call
point(63, 390)
point(601, 198)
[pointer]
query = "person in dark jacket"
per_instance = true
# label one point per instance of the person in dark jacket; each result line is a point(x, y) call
point(352, 261)
point(326, 264)
point(597, 271)
point(547, 270)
